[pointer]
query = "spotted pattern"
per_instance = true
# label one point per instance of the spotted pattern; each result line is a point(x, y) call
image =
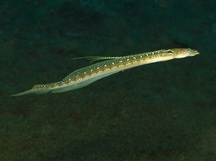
point(94, 69)
point(110, 66)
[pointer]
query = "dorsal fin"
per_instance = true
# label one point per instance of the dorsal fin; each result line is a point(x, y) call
point(96, 58)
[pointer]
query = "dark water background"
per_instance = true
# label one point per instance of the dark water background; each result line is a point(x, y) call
point(157, 112)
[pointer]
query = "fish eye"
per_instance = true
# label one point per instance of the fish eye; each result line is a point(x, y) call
point(170, 52)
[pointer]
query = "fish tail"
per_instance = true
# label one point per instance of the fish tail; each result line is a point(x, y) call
point(37, 89)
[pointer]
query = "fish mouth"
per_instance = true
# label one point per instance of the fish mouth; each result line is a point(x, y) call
point(194, 52)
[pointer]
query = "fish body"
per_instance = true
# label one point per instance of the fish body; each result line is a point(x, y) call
point(111, 65)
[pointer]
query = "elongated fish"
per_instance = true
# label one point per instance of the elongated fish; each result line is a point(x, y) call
point(87, 75)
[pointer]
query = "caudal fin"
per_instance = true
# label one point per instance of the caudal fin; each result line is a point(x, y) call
point(35, 89)
point(23, 93)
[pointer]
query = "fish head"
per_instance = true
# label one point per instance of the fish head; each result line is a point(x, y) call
point(184, 52)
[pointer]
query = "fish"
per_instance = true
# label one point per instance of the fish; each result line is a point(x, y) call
point(108, 66)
